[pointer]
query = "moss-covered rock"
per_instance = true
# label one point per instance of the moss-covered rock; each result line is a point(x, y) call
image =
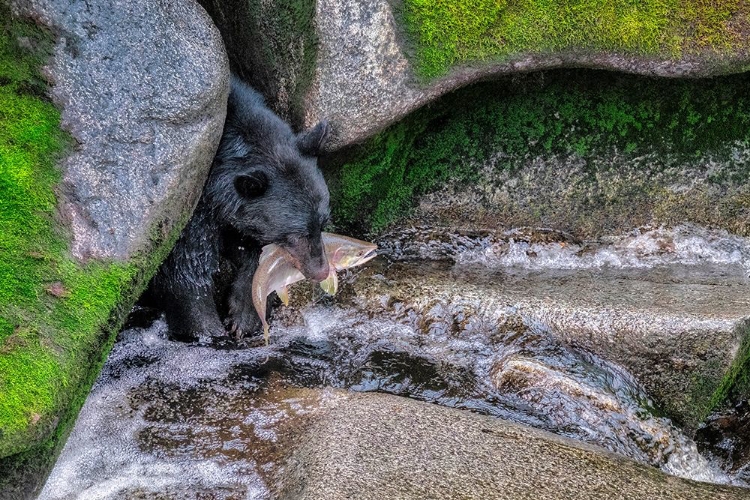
point(446, 34)
point(60, 306)
point(589, 153)
point(380, 60)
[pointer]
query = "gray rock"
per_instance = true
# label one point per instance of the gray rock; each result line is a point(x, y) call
point(142, 87)
point(364, 81)
point(271, 45)
point(560, 192)
point(375, 446)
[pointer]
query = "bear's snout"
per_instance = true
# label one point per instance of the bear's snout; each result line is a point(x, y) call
point(320, 273)
point(316, 269)
point(309, 257)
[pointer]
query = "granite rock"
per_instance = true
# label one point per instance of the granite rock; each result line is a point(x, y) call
point(143, 88)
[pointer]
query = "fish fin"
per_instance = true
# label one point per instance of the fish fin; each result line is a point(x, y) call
point(331, 284)
point(283, 294)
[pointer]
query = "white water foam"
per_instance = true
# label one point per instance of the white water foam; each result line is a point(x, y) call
point(104, 457)
point(522, 248)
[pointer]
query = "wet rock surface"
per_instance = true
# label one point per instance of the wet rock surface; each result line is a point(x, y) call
point(677, 328)
point(597, 195)
point(377, 446)
point(170, 420)
point(180, 419)
point(143, 89)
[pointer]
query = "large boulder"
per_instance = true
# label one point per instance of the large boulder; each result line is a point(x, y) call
point(375, 446)
point(142, 88)
point(376, 62)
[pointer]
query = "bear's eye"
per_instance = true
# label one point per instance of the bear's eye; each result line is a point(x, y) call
point(252, 185)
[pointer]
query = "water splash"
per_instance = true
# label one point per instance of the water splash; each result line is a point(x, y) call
point(546, 249)
point(177, 421)
point(522, 374)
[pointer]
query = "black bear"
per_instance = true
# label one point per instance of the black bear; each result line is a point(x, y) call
point(264, 187)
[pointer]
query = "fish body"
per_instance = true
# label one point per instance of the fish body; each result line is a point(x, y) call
point(274, 274)
point(276, 270)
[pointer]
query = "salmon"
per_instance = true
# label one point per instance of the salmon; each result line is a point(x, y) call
point(276, 270)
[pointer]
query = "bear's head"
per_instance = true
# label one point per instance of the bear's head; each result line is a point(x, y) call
point(266, 184)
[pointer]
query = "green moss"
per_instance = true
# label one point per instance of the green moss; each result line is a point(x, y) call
point(446, 33)
point(565, 113)
point(735, 386)
point(51, 309)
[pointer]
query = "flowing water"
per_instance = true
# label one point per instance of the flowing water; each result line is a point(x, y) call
point(174, 420)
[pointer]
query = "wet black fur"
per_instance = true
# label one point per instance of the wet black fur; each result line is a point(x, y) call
point(264, 187)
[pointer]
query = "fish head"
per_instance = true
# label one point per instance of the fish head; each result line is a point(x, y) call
point(349, 252)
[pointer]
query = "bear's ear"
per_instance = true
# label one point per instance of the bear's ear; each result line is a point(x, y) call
point(252, 185)
point(311, 141)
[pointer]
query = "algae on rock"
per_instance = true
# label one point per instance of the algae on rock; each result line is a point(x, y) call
point(581, 151)
point(51, 308)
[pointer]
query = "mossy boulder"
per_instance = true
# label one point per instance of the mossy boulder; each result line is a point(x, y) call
point(94, 188)
point(591, 153)
point(377, 61)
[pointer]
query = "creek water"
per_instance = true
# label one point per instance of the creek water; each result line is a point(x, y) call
point(173, 420)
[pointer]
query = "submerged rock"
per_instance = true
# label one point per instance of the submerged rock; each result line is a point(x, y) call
point(726, 435)
point(377, 446)
point(169, 419)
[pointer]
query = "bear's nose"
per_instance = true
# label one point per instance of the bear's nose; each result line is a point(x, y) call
point(310, 258)
point(320, 274)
